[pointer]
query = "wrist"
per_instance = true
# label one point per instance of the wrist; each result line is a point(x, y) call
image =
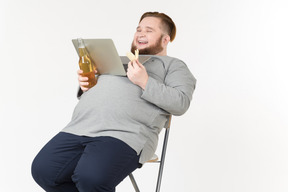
point(144, 83)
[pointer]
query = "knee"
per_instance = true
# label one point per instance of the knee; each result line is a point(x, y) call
point(36, 170)
point(41, 173)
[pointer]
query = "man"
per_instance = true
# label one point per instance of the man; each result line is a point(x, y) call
point(115, 126)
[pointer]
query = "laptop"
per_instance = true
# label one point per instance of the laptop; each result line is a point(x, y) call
point(104, 54)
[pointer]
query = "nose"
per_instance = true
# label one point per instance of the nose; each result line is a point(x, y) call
point(141, 34)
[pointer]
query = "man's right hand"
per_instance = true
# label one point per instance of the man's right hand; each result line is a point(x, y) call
point(83, 81)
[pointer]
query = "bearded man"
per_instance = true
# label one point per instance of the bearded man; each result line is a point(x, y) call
point(115, 125)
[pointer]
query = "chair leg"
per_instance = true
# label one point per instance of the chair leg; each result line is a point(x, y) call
point(161, 166)
point(134, 182)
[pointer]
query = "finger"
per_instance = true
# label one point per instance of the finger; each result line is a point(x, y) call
point(130, 65)
point(139, 64)
point(81, 78)
point(79, 72)
point(135, 64)
point(83, 84)
point(84, 88)
point(128, 74)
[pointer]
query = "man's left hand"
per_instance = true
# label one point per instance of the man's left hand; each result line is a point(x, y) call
point(137, 73)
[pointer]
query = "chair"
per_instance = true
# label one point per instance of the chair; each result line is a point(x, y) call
point(155, 160)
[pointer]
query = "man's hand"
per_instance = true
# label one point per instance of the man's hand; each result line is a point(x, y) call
point(137, 73)
point(83, 81)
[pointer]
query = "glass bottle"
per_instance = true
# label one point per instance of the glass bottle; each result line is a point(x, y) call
point(85, 64)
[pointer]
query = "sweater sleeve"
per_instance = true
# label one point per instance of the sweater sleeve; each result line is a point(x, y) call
point(175, 93)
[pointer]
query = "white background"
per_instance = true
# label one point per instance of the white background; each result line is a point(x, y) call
point(232, 139)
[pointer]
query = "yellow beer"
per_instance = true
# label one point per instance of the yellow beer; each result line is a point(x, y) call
point(86, 65)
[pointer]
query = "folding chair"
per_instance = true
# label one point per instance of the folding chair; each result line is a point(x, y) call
point(155, 160)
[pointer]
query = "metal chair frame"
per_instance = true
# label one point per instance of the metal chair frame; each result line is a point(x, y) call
point(161, 161)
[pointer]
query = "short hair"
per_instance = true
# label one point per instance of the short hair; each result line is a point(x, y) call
point(166, 21)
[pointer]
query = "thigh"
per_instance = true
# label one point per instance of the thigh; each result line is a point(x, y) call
point(104, 164)
point(56, 161)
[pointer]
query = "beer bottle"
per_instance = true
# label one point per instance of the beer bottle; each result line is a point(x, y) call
point(85, 64)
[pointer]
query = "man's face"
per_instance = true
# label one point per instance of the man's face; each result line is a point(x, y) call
point(148, 37)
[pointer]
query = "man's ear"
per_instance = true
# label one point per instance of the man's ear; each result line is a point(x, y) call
point(166, 39)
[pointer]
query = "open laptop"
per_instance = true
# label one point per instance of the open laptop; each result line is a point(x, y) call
point(104, 54)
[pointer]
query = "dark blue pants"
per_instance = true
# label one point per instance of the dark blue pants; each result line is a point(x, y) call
point(70, 163)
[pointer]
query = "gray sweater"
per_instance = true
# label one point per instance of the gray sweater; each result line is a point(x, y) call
point(118, 108)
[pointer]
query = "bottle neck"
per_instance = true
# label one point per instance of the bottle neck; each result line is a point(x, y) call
point(80, 43)
point(82, 52)
point(81, 48)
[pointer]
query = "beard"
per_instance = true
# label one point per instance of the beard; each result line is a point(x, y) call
point(151, 50)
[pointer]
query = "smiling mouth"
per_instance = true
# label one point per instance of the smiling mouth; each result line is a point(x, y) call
point(142, 42)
